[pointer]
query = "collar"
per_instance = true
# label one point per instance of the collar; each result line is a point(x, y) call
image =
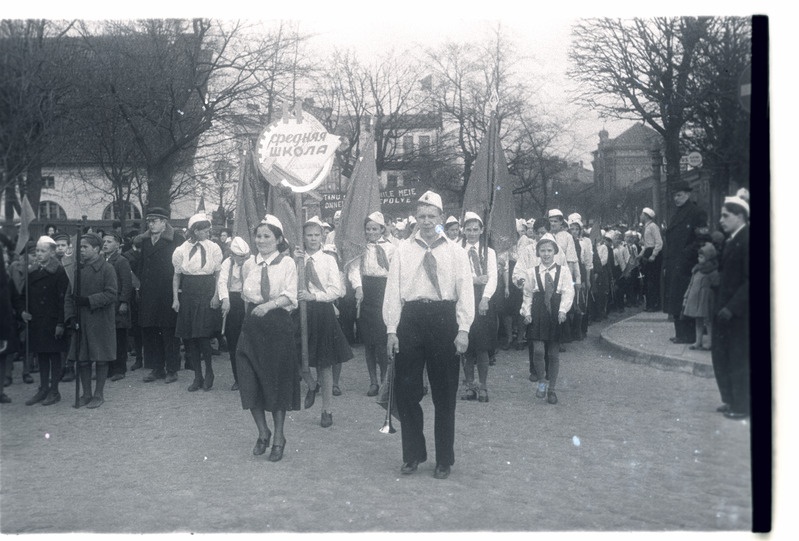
point(476, 246)
point(438, 240)
point(52, 265)
point(547, 269)
point(168, 233)
point(96, 264)
point(734, 233)
point(260, 260)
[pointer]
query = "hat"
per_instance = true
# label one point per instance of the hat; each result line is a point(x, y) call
point(377, 217)
point(649, 212)
point(199, 220)
point(400, 225)
point(330, 248)
point(547, 237)
point(116, 236)
point(239, 246)
point(44, 239)
point(743, 193)
point(411, 220)
point(521, 225)
point(681, 186)
point(451, 220)
point(735, 200)
point(273, 221)
point(327, 225)
point(157, 212)
point(432, 198)
point(554, 212)
point(530, 223)
point(337, 214)
point(61, 236)
point(313, 221)
point(93, 239)
point(610, 235)
point(472, 216)
point(708, 250)
point(575, 218)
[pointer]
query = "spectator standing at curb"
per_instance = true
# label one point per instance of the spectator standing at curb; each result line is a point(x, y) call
point(111, 246)
point(651, 260)
point(698, 302)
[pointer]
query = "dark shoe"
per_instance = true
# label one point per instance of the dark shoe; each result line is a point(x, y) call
point(196, 384)
point(442, 472)
point(533, 377)
point(8, 381)
point(171, 377)
point(277, 452)
point(117, 377)
point(40, 395)
point(492, 361)
point(483, 396)
point(95, 402)
point(373, 390)
point(261, 445)
point(153, 375)
point(724, 408)
point(52, 398)
point(735, 415)
point(209, 381)
point(234, 387)
point(4, 398)
point(69, 375)
point(470, 394)
point(552, 398)
point(136, 365)
point(27, 378)
point(327, 419)
point(310, 397)
point(410, 467)
point(83, 400)
point(336, 390)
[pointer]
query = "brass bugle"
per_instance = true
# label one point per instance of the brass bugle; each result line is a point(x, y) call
point(387, 428)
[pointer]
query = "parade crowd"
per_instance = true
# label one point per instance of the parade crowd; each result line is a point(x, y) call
point(429, 299)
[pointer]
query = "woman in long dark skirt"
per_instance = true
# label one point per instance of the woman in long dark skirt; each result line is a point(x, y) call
point(266, 355)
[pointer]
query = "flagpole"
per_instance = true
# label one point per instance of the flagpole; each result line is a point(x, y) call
point(27, 310)
point(301, 280)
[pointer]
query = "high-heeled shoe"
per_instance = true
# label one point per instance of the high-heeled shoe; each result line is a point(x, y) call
point(310, 396)
point(277, 452)
point(261, 445)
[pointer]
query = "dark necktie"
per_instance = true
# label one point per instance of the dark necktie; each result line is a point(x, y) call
point(198, 246)
point(477, 268)
point(311, 277)
point(549, 289)
point(382, 259)
point(264, 282)
point(430, 266)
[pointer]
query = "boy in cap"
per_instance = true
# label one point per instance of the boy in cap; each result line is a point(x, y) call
point(111, 246)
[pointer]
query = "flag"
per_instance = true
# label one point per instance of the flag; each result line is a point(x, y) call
point(201, 205)
point(490, 191)
point(362, 199)
point(250, 204)
point(280, 203)
point(26, 217)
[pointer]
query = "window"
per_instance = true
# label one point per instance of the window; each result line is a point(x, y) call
point(407, 144)
point(424, 144)
point(132, 213)
point(391, 182)
point(49, 210)
point(48, 182)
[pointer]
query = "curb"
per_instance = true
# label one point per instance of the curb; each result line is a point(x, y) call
point(661, 362)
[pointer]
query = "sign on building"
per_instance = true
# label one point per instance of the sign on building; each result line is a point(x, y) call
point(395, 202)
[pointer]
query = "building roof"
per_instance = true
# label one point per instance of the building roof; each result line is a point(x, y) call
point(637, 136)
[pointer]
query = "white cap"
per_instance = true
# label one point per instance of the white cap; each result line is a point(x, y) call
point(629, 233)
point(649, 212)
point(273, 221)
point(575, 218)
point(737, 201)
point(400, 225)
point(547, 237)
point(337, 214)
point(530, 223)
point(432, 198)
point(44, 239)
point(554, 212)
point(327, 225)
point(377, 217)
point(411, 220)
point(521, 225)
point(743, 193)
point(314, 221)
point(472, 216)
point(329, 248)
point(451, 220)
point(197, 218)
point(239, 246)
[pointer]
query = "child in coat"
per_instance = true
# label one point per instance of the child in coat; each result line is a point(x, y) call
point(698, 300)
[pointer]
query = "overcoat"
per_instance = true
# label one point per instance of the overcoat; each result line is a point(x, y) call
point(152, 264)
point(46, 290)
point(679, 253)
point(98, 340)
point(124, 288)
point(8, 327)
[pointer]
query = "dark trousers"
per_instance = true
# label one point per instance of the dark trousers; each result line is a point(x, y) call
point(49, 370)
point(161, 349)
point(233, 323)
point(120, 365)
point(426, 334)
point(730, 353)
point(652, 271)
point(684, 328)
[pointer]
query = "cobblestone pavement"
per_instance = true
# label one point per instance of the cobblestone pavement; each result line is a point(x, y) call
point(628, 447)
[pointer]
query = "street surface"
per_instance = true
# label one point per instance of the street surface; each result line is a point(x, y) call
point(628, 447)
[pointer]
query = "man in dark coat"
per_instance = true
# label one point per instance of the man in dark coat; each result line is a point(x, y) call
point(680, 258)
point(730, 347)
point(8, 327)
point(111, 244)
point(151, 261)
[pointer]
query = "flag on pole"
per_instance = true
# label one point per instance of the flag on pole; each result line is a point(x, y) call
point(490, 191)
point(250, 205)
point(362, 199)
point(201, 204)
point(280, 203)
point(26, 217)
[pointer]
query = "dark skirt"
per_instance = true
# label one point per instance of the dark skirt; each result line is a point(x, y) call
point(370, 323)
point(327, 344)
point(266, 361)
point(544, 325)
point(513, 303)
point(483, 332)
point(196, 318)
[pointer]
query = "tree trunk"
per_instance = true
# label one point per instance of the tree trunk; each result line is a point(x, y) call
point(33, 185)
point(159, 185)
point(672, 141)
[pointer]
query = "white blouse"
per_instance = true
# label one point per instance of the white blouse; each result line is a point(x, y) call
point(282, 280)
point(193, 265)
point(370, 265)
point(564, 287)
point(326, 268)
point(491, 268)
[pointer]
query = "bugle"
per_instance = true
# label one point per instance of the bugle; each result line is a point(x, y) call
point(387, 428)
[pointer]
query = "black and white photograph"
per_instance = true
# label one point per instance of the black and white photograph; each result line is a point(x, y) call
point(366, 268)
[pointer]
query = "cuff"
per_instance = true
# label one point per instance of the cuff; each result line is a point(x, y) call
point(391, 330)
point(464, 329)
